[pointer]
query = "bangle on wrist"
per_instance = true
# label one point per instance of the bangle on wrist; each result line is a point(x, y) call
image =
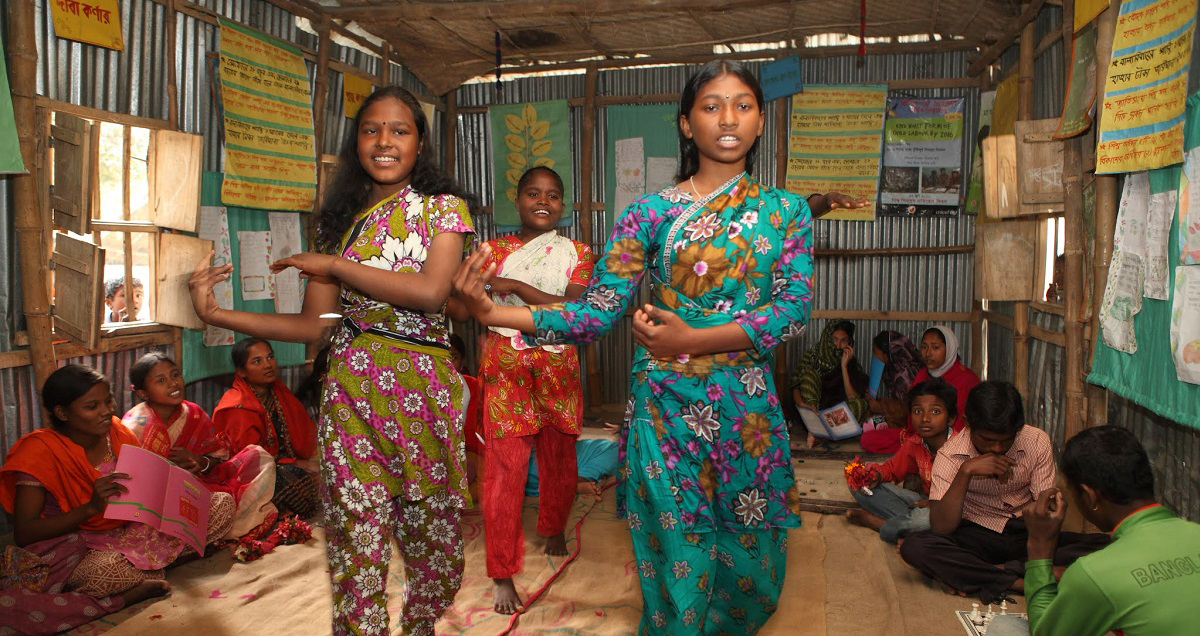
point(207, 464)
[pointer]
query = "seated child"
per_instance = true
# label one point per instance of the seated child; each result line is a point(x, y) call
point(56, 482)
point(982, 482)
point(596, 461)
point(181, 431)
point(890, 509)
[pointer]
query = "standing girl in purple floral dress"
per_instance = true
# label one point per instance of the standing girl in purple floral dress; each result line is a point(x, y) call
point(394, 230)
point(706, 477)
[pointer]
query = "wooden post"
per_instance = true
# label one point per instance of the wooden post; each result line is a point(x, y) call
point(978, 322)
point(587, 151)
point(172, 78)
point(1107, 199)
point(1024, 112)
point(321, 94)
point(385, 65)
point(450, 133)
point(34, 259)
point(782, 132)
point(1076, 407)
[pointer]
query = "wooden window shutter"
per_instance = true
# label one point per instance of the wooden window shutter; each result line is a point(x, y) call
point(1006, 259)
point(175, 164)
point(78, 289)
point(71, 195)
point(177, 258)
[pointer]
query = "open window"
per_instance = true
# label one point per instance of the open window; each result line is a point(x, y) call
point(117, 191)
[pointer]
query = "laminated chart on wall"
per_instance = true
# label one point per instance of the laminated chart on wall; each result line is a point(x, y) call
point(1185, 324)
point(214, 226)
point(1188, 234)
point(974, 201)
point(1145, 89)
point(525, 136)
point(90, 21)
point(835, 143)
point(922, 157)
point(269, 143)
point(10, 147)
point(285, 242)
point(630, 157)
point(1076, 115)
point(254, 265)
point(355, 91)
point(656, 126)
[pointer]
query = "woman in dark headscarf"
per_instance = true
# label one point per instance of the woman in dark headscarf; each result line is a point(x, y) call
point(901, 364)
point(828, 373)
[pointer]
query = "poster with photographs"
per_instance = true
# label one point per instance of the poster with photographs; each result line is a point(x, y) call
point(922, 158)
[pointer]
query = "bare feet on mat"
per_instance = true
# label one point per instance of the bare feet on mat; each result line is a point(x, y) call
point(556, 545)
point(860, 517)
point(504, 597)
point(150, 588)
point(812, 441)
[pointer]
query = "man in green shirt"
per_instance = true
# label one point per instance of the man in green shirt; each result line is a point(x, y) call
point(1145, 583)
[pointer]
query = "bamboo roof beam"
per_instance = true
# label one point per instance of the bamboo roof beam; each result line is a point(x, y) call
point(993, 52)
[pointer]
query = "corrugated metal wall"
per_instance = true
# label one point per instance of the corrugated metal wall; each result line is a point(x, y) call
point(911, 283)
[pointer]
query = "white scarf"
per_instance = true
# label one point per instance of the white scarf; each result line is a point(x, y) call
point(951, 351)
point(546, 262)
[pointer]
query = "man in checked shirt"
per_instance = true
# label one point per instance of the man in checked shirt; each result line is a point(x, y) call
point(983, 478)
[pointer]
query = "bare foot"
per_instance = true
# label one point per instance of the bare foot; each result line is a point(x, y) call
point(504, 597)
point(860, 517)
point(812, 441)
point(588, 487)
point(150, 588)
point(556, 545)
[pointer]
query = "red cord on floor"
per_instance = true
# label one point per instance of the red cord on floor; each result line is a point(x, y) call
point(512, 623)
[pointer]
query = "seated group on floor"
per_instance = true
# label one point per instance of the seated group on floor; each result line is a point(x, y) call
point(983, 518)
point(830, 374)
point(71, 564)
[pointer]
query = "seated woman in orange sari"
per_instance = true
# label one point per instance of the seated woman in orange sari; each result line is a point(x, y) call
point(56, 482)
point(260, 410)
point(181, 431)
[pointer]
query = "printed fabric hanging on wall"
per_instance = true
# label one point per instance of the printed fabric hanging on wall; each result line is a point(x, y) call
point(524, 136)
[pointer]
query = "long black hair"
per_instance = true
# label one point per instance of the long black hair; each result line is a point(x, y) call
point(347, 195)
point(689, 155)
point(66, 385)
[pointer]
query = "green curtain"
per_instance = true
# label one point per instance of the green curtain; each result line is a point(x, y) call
point(199, 361)
point(654, 123)
point(524, 136)
point(1148, 376)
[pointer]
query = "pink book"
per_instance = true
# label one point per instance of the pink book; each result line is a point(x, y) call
point(161, 495)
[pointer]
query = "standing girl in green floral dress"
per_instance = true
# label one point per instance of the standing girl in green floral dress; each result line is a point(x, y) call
point(707, 479)
point(390, 432)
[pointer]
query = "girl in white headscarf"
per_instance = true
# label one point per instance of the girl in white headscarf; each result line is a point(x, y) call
point(939, 352)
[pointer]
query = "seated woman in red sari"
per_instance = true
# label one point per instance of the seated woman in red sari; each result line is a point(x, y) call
point(181, 431)
point(259, 410)
point(56, 482)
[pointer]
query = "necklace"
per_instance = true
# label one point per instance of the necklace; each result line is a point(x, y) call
point(694, 190)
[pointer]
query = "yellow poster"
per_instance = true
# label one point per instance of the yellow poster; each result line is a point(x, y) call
point(1145, 89)
point(355, 90)
point(1004, 108)
point(94, 22)
point(269, 143)
point(1087, 10)
point(835, 143)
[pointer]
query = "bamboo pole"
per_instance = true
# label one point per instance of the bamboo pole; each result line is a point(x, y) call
point(1076, 406)
point(172, 60)
point(585, 212)
point(782, 130)
point(385, 65)
point(978, 322)
point(1107, 199)
point(450, 134)
point(321, 92)
point(1024, 112)
point(33, 258)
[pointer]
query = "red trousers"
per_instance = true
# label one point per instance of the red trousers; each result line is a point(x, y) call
point(504, 471)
